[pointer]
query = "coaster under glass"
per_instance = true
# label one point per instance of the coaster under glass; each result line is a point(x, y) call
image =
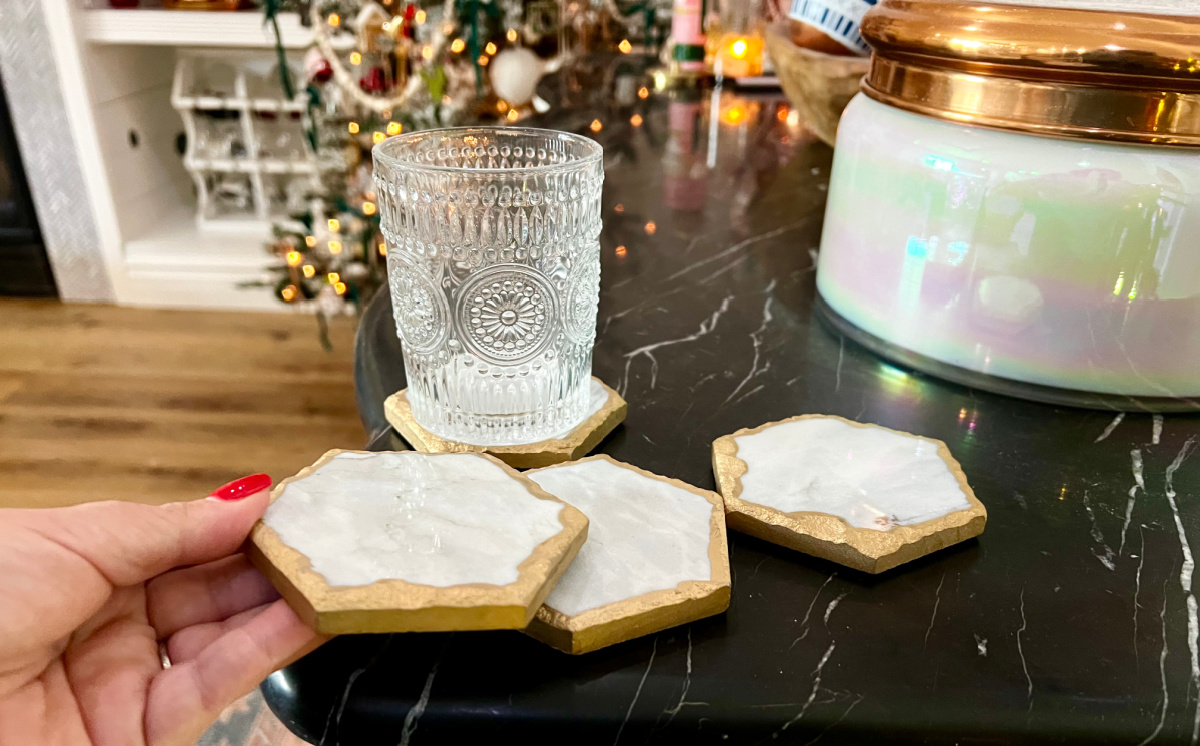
point(606, 409)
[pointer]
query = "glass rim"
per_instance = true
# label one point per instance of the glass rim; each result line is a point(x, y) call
point(380, 154)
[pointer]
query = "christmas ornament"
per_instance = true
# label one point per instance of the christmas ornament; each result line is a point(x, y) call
point(515, 74)
point(354, 97)
point(316, 68)
point(374, 81)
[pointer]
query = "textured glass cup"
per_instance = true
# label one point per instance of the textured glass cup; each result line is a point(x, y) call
point(493, 239)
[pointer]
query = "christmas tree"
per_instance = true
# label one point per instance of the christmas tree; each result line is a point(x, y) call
point(376, 70)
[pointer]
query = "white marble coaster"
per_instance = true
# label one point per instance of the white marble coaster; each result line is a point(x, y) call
point(861, 495)
point(606, 410)
point(655, 558)
point(406, 541)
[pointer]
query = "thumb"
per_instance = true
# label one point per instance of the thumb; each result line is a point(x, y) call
point(130, 543)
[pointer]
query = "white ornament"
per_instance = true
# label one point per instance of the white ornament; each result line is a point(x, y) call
point(515, 74)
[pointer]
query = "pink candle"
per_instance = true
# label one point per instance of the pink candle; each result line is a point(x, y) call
point(688, 31)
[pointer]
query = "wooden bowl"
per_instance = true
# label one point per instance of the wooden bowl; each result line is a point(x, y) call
point(819, 85)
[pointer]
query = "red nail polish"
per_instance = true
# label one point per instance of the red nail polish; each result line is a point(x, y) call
point(244, 487)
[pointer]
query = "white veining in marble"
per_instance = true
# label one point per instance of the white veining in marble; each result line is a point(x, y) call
point(756, 340)
point(807, 614)
point(1185, 576)
point(937, 601)
point(413, 718)
point(1111, 426)
point(1108, 557)
point(1137, 591)
point(1162, 673)
point(671, 712)
point(812, 696)
point(1139, 482)
point(434, 520)
point(833, 605)
point(706, 327)
point(1021, 653)
point(638, 693)
point(643, 534)
point(870, 477)
point(735, 249)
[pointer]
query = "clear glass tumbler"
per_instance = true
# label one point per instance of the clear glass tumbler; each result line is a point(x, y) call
point(493, 239)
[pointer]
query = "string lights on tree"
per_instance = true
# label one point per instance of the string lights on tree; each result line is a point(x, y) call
point(380, 68)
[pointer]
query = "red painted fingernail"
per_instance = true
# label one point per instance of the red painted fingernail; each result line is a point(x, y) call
point(244, 487)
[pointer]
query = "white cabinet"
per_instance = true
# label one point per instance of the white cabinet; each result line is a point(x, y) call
point(116, 69)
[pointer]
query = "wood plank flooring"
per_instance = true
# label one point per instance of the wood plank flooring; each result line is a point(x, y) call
point(100, 403)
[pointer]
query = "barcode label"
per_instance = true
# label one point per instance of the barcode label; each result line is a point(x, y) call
point(838, 18)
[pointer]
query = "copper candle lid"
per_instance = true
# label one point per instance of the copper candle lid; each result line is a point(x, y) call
point(1089, 74)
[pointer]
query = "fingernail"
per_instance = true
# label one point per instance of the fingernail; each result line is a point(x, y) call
point(244, 487)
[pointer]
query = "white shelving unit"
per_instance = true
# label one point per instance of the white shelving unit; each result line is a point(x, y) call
point(152, 26)
point(234, 102)
point(116, 74)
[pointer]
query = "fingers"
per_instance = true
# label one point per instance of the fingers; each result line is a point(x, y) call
point(129, 543)
point(189, 642)
point(184, 699)
point(207, 593)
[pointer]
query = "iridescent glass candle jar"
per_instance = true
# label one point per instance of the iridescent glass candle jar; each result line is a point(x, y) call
point(1015, 201)
point(493, 258)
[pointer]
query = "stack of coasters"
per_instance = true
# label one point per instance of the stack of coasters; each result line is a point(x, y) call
point(607, 410)
point(406, 542)
point(655, 558)
point(859, 495)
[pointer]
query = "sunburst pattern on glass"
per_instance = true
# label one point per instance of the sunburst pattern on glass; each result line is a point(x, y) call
point(582, 296)
point(419, 307)
point(506, 312)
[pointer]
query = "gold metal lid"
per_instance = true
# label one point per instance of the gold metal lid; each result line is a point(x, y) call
point(1095, 75)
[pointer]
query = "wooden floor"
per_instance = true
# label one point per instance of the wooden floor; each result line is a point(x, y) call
point(100, 403)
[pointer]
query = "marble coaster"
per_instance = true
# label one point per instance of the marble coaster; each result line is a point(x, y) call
point(411, 542)
point(655, 558)
point(607, 410)
point(859, 495)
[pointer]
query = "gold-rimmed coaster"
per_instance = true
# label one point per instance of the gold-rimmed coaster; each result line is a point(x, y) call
point(656, 556)
point(607, 410)
point(391, 541)
point(860, 495)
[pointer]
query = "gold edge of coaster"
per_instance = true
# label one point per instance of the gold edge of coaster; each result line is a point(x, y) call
point(581, 440)
point(650, 612)
point(630, 619)
point(830, 537)
point(393, 605)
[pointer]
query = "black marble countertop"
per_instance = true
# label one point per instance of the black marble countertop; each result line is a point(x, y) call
point(1072, 619)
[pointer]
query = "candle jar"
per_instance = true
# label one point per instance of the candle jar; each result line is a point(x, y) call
point(1015, 201)
point(494, 270)
point(739, 44)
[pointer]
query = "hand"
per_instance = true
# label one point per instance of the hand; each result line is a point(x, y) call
point(87, 594)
